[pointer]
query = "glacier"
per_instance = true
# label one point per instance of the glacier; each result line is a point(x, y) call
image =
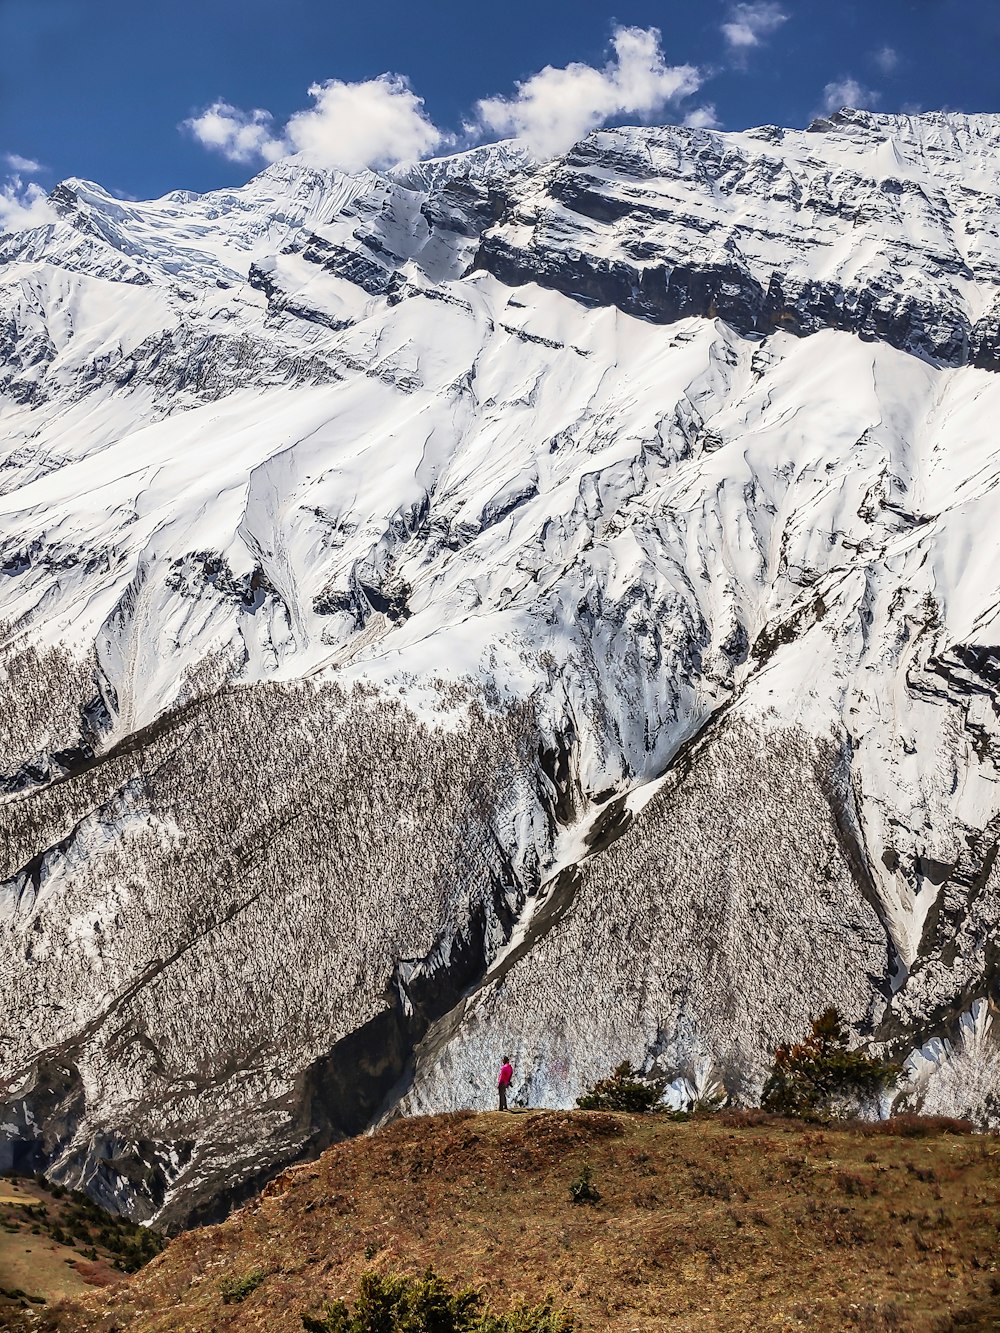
point(491, 605)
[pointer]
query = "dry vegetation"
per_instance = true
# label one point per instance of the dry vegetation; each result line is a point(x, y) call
point(56, 1242)
point(733, 1222)
point(44, 693)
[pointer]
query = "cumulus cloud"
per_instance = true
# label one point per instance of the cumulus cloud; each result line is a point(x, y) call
point(555, 107)
point(25, 166)
point(23, 204)
point(703, 118)
point(356, 125)
point(350, 126)
point(887, 59)
point(848, 92)
point(240, 136)
point(378, 122)
point(749, 24)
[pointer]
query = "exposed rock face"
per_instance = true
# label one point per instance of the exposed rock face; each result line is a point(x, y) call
point(228, 901)
point(879, 226)
point(489, 605)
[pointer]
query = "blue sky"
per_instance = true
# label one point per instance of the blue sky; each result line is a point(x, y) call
point(102, 88)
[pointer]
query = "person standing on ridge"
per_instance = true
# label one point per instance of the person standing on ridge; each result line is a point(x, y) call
point(503, 1082)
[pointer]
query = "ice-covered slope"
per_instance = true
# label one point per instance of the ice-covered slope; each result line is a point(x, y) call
point(488, 605)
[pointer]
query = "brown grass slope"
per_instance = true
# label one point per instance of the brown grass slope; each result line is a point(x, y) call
point(738, 1222)
point(54, 1242)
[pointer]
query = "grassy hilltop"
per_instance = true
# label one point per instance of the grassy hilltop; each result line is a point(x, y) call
point(728, 1222)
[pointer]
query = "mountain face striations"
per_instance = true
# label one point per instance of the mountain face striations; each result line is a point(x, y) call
point(489, 606)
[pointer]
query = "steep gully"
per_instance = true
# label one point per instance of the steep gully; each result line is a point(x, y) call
point(361, 1080)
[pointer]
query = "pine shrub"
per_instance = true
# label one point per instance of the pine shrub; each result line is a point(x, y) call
point(625, 1090)
point(822, 1075)
point(236, 1289)
point(583, 1189)
point(400, 1304)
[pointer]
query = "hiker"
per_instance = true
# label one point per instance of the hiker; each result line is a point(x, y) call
point(503, 1082)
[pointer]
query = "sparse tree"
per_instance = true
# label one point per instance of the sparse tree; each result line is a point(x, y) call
point(822, 1074)
point(624, 1090)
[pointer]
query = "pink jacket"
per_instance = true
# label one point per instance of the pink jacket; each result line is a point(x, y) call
point(506, 1074)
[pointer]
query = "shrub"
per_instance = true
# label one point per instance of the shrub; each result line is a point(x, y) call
point(583, 1190)
point(237, 1289)
point(625, 1090)
point(819, 1075)
point(430, 1304)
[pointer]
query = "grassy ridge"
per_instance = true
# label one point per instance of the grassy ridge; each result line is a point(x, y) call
point(731, 1222)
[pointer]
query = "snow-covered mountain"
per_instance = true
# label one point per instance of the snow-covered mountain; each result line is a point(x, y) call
point(494, 606)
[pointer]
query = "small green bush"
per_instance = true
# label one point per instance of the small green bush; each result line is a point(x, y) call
point(625, 1090)
point(429, 1304)
point(237, 1289)
point(583, 1190)
point(820, 1075)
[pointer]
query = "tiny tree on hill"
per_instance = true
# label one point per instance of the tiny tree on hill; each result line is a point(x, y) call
point(820, 1074)
point(625, 1090)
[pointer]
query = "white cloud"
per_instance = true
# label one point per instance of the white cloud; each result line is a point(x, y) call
point(555, 107)
point(350, 126)
point(749, 24)
point(240, 136)
point(379, 122)
point(703, 118)
point(25, 166)
point(887, 59)
point(356, 125)
point(848, 92)
point(24, 204)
